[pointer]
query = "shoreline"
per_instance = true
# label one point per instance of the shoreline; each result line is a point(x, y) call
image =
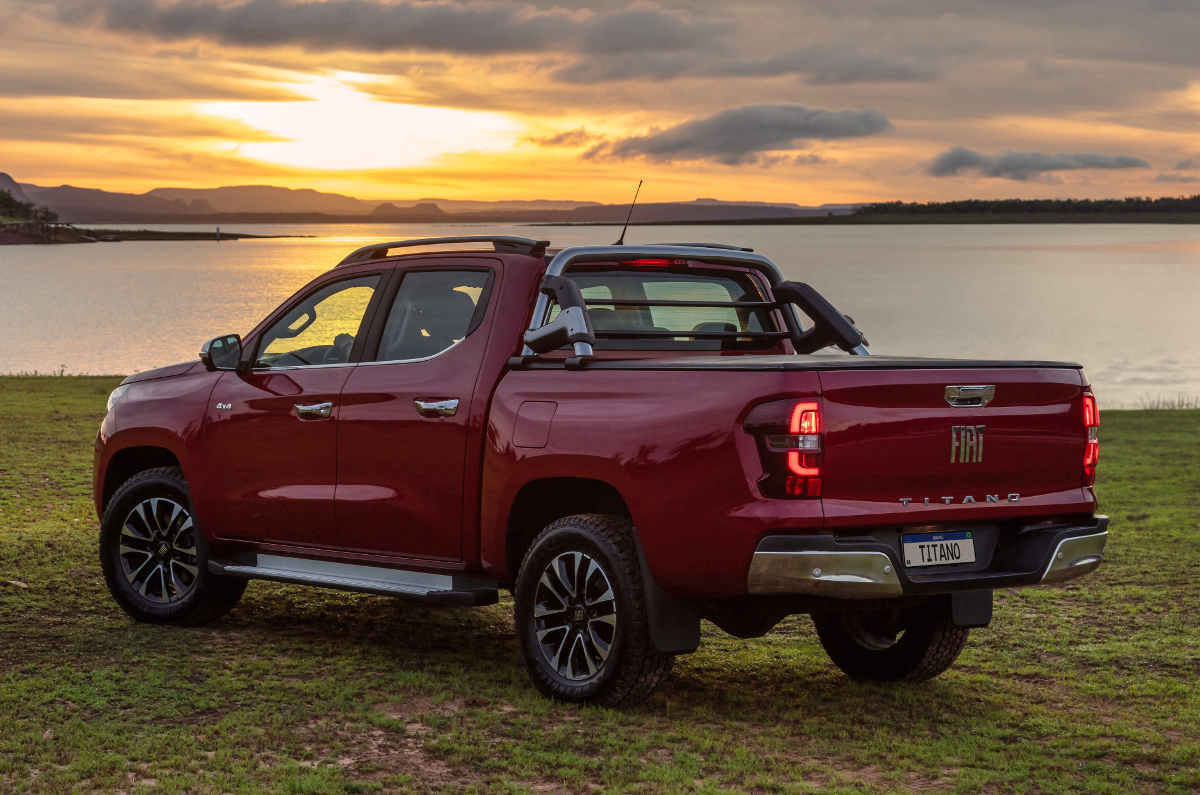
point(77, 235)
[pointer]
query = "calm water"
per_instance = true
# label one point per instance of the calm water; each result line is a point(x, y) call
point(1122, 299)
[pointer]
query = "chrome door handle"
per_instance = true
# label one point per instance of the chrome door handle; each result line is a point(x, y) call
point(314, 411)
point(437, 408)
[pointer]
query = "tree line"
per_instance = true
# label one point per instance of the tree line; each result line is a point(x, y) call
point(1130, 204)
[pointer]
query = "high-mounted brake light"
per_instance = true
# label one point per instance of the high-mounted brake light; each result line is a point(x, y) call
point(1091, 450)
point(789, 438)
point(653, 262)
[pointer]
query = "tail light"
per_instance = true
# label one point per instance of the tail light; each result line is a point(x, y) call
point(788, 434)
point(1091, 450)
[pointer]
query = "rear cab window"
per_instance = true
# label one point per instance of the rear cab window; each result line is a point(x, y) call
point(623, 304)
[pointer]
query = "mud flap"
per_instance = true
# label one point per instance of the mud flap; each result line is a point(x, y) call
point(971, 608)
point(674, 625)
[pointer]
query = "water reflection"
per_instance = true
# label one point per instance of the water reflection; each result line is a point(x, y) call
point(1120, 298)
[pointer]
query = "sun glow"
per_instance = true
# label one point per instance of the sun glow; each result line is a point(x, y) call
point(344, 128)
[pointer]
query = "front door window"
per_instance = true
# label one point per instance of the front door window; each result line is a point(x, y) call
point(320, 329)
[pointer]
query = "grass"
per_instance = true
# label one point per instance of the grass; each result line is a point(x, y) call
point(1088, 686)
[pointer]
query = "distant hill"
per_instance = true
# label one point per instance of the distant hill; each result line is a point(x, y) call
point(266, 203)
point(9, 184)
point(267, 199)
point(89, 204)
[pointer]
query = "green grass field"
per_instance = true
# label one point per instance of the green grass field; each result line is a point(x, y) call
point(1092, 686)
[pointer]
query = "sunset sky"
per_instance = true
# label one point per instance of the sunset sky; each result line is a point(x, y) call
point(773, 100)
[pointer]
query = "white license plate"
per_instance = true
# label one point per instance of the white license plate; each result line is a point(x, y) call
point(938, 549)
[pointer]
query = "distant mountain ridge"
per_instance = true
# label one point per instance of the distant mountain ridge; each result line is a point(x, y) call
point(9, 184)
point(261, 203)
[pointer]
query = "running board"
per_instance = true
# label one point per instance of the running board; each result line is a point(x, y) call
point(436, 589)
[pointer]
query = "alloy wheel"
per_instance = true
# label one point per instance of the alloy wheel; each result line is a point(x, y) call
point(158, 551)
point(575, 616)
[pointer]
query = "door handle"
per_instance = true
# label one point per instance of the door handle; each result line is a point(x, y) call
point(437, 408)
point(314, 411)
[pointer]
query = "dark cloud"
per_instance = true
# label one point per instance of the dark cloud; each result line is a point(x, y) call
point(1176, 178)
point(470, 28)
point(820, 65)
point(1188, 164)
point(1024, 165)
point(577, 137)
point(741, 135)
point(833, 65)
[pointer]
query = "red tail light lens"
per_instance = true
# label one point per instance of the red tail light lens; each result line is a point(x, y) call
point(805, 422)
point(1091, 450)
point(789, 443)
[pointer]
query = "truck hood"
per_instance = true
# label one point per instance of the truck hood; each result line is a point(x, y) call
point(170, 371)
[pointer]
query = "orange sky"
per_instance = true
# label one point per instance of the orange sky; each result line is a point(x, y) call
point(763, 100)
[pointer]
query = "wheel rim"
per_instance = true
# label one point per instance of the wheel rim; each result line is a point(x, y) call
point(158, 552)
point(876, 631)
point(575, 616)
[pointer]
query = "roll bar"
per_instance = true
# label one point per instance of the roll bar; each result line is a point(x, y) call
point(712, 253)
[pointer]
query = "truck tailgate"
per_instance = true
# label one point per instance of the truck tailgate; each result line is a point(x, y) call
point(897, 451)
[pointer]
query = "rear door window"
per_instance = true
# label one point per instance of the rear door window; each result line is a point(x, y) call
point(433, 311)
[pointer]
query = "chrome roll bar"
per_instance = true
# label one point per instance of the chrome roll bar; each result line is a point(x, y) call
point(719, 254)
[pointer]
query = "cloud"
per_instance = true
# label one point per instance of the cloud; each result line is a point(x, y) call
point(467, 28)
point(1188, 164)
point(833, 65)
point(1176, 178)
point(741, 135)
point(577, 137)
point(1023, 166)
point(819, 65)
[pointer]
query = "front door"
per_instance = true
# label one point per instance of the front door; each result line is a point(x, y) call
point(269, 440)
point(404, 419)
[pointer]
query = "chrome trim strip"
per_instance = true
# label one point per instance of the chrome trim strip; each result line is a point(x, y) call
point(420, 359)
point(1075, 556)
point(841, 575)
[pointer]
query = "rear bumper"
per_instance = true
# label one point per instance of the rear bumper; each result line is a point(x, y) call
point(868, 566)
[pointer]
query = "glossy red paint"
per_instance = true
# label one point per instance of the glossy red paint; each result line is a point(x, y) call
point(377, 482)
point(888, 439)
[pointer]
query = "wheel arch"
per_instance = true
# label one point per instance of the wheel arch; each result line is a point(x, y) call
point(128, 461)
point(539, 502)
point(674, 626)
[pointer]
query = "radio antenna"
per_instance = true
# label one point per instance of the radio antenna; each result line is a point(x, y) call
point(621, 239)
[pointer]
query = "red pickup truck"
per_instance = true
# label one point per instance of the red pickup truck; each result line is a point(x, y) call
point(629, 438)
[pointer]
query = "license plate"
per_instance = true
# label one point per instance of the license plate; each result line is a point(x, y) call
point(938, 549)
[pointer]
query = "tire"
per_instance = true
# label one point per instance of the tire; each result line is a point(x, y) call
point(891, 645)
point(154, 558)
point(598, 621)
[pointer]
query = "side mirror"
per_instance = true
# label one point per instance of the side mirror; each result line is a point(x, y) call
point(222, 353)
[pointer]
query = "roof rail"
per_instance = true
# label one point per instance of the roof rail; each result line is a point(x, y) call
point(724, 246)
point(503, 243)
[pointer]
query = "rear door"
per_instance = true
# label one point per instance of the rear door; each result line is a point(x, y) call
point(407, 413)
point(918, 445)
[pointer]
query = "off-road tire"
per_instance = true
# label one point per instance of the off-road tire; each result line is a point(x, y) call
point(927, 646)
point(633, 668)
point(208, 598)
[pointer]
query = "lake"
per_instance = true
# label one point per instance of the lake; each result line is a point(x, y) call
point(1124, 299)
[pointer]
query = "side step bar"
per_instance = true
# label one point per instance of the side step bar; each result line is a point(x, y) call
point(450, 590)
